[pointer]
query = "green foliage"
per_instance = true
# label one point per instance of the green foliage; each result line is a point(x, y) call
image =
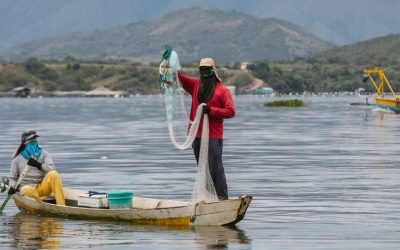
point(285, 103)
point(33, 65)
point(40, 70)
point(260, 69)
point(284, 78)
point(299, 77)
point(69, 59)
point(76, 66)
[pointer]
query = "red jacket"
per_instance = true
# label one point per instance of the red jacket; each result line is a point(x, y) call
point(221, 104)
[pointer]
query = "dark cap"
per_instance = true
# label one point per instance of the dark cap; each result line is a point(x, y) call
point(28, 136)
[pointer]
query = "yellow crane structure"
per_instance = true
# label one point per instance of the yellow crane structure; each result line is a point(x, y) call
point(392, 102)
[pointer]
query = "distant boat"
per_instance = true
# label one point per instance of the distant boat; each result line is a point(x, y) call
point(390, 103)
point(265, 91)
point(144, 210)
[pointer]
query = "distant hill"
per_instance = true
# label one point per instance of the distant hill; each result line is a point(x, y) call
point(379, 51)
point(338, 21)
point(196, 32)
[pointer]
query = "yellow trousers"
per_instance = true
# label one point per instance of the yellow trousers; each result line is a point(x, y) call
point(51, 183)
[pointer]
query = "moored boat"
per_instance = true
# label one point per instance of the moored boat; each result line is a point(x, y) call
point(144, 210)
point(389, 103)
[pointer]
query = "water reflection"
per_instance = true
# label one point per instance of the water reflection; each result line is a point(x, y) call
point(219, 236)
point(42, 232)
point(32, 232)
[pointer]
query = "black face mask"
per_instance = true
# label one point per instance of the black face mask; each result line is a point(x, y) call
point(207, 84)
point(206, 72)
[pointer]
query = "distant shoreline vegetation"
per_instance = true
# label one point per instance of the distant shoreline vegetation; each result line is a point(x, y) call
point(293, 103)
point(71, 74)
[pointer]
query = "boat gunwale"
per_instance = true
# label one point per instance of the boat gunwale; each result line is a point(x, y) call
point(184, 214)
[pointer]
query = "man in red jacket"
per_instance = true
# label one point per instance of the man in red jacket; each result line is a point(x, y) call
point(219, 106)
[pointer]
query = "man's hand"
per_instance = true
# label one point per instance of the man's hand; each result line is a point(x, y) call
point(34, 163)
point(164, 67)
point(206, 109)
point(11, 191)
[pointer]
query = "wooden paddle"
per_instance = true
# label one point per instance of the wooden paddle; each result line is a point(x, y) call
point(21, 177)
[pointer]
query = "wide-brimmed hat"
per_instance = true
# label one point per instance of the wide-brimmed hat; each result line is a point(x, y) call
point(28, 136)
point(209, 62)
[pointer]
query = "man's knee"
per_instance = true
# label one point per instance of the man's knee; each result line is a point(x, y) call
point(53, 174)
point(29, 191)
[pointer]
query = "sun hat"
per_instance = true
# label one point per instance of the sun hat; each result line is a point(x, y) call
point(28, 136)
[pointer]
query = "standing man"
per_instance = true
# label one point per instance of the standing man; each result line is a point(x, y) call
point(219, 106)
point(41, 179)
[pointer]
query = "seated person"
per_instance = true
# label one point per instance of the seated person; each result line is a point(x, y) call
point(41, 179)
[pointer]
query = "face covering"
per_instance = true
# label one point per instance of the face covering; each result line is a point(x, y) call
point(31, 149)
point(207, 84)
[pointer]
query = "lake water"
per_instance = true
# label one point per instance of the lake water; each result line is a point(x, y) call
point(324, 176)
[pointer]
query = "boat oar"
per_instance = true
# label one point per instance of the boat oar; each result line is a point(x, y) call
point(21, 177)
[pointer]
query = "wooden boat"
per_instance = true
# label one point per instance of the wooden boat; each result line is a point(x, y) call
point(389, 103)
point(144, 210)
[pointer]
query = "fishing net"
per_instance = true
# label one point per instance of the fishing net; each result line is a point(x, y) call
point(181, 129)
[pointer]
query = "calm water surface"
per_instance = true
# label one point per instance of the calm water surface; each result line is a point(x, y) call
point(324, 176)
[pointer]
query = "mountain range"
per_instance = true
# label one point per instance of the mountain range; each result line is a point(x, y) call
point(194, 33)
point(382, 51)
point(339, 21)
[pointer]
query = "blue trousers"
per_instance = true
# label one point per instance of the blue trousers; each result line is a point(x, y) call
point(215, 165)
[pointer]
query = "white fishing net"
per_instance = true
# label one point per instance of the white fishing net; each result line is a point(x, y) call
point(182, 130)
point(204, 189)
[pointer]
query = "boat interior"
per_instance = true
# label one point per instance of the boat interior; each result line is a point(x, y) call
point(72, 197)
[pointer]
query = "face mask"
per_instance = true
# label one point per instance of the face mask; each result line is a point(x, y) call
point(206, 72)
point(207, 84)
point(31, 149)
